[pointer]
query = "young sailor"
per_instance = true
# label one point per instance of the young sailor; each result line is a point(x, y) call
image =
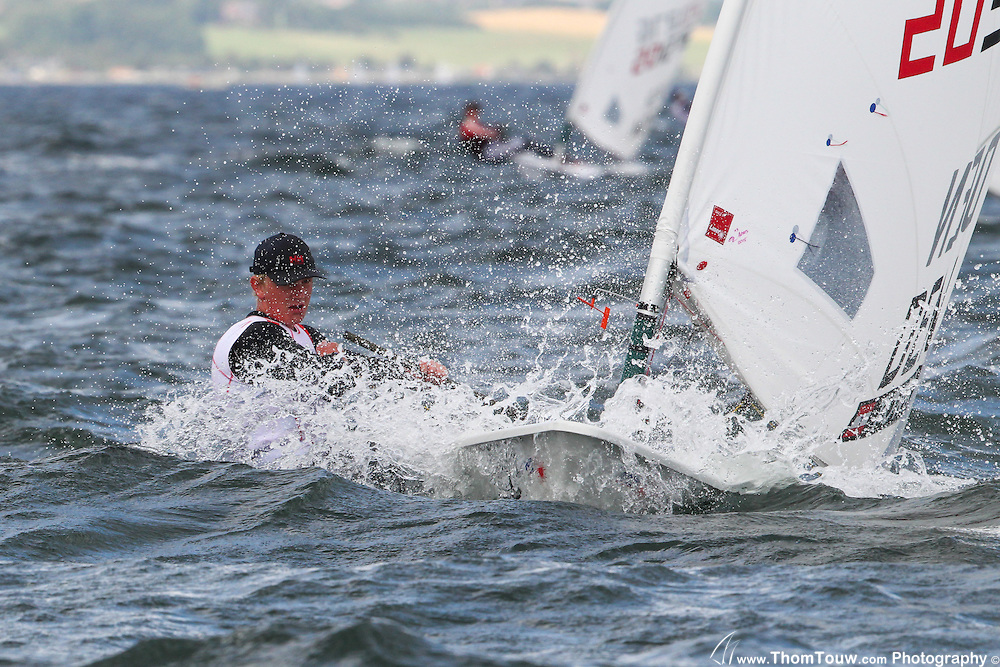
point(473, 133)
point(491, 143)
point(272, 341)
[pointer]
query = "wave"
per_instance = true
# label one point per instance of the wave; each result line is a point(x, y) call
point(319, 164)
point(365, 641)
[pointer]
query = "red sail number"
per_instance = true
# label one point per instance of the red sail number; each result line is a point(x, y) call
point(952, 53)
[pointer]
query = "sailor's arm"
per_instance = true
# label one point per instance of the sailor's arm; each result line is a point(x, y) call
point(255, 352)
point(327, 347)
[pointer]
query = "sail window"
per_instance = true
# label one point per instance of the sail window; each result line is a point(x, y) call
point(613, 114)
point(838, 257)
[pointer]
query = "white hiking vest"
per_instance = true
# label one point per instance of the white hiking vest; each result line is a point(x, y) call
point(222, 373)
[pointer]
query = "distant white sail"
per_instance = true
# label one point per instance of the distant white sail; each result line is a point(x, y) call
point(631, 70)
point(835, 173)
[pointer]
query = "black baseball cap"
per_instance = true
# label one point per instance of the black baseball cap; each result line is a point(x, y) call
point(285, 259)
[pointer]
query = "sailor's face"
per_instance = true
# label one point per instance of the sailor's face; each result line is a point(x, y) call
point(286, 303)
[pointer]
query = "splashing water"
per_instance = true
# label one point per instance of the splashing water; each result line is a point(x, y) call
point(401, 434)
point(385, 433)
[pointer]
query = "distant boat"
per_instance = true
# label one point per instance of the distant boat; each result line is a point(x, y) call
point(625, 83)
point(397, 145)
point(826, 188)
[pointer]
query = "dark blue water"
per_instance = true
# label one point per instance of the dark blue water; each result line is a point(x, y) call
point(133, 531)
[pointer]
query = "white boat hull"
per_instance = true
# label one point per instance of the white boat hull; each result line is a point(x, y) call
point(579, 463)
point(534, 166)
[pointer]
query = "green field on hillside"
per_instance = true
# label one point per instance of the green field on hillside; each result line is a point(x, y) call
point(466, 48)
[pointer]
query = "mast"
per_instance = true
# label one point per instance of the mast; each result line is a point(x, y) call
point(664, 246)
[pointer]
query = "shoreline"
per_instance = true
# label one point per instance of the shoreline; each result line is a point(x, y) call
point(221, 79)
point(297, 76)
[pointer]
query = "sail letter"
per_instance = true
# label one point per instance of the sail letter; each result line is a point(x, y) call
point(948, 212)
point(927, 325)
point(902, 350)
point(921, 321)
point(944, 237)
point(993, 38)
point(918, 26)
point(985, 162)
point(969, 200)
point(954, 53)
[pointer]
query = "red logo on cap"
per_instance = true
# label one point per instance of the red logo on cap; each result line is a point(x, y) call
point(296, 259)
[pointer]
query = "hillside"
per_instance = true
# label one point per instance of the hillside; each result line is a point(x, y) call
point(303, 39)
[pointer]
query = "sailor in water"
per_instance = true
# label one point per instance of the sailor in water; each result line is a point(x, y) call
point(491, 143)
point(680, 105)
point(272, 341)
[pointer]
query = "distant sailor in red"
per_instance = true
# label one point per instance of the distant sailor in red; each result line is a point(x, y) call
point(473, 133)
point(491, 143)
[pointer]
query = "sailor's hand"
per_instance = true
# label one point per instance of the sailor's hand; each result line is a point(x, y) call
point(433, 371)
point(327, 347)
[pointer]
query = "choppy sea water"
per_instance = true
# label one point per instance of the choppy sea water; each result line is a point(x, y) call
point(135, 530)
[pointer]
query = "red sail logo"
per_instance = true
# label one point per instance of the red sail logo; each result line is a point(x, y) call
point(718, 226)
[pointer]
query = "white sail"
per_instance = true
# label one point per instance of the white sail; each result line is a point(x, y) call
point(631, 70)
point(834, 181)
